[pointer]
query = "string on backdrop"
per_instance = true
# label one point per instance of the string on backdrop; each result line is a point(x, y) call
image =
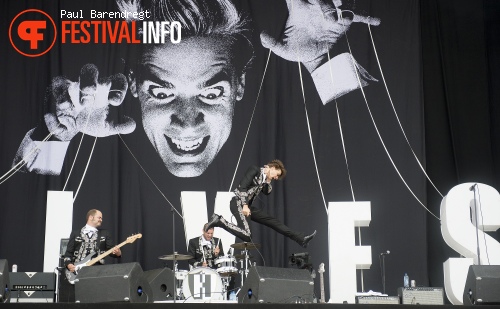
point(76, 155)
point(309, 128)
point(250, 122)
point(149, 177)
point(377, 130)
point(85, 171)
point(396, 114)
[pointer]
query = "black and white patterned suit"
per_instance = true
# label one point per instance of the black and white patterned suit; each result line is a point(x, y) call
point(80, 245)
point(248, 189)
point(198, 249)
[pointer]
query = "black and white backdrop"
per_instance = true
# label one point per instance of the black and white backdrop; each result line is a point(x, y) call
point(198, 105)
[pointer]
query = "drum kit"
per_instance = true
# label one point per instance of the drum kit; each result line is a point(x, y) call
point(203, 283)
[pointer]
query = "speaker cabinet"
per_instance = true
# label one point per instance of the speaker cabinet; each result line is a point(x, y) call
point(162, 282)
point(482, 285)
point(277, 285)
point(118, 282)
point(4, 281)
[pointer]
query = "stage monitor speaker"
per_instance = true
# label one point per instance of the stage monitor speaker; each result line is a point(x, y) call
point(277, 285)
point(162, 283)
point(4, 281)
point(482, 285)
point(118, 282)
point(421, 296)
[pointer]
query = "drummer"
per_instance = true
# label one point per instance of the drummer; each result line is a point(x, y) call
point(205, 249)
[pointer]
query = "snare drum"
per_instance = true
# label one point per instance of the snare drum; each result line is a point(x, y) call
point(226, 266)
point(202, 283)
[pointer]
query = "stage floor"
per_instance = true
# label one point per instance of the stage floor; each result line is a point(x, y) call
point(224, 305)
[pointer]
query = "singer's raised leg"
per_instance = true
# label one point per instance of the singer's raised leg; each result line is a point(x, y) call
point(241, 230)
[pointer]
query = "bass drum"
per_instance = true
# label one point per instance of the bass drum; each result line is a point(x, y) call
point(202, 283)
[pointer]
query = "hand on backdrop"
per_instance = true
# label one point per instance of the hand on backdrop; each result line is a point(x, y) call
point(312, 28)
point(83, 106)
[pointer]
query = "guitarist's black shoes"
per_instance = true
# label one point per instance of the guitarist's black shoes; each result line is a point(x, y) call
point(307, 239)
point(214, 221)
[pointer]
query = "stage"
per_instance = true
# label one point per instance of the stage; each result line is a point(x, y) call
point(120, 305)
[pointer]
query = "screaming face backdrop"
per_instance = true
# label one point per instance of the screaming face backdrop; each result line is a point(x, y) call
point(157, 119)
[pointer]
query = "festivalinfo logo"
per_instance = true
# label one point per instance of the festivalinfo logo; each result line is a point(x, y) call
point(33, 32)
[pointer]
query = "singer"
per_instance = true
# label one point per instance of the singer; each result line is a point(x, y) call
point(256, 180)
point(205, 249)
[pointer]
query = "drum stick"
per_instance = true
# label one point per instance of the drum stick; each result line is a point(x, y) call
point(218, 242)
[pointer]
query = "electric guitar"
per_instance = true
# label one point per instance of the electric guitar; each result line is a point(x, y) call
point(321, 270)
point(89, 261)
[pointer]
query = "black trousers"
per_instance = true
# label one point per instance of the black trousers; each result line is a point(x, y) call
point(242, 229)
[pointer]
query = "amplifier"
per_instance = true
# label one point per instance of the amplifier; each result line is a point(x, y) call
point(32, 281)
point(421, 296)
point(386, 300)
point(32, 287)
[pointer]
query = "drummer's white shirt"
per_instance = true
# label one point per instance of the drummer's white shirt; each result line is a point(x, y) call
point(205, 242)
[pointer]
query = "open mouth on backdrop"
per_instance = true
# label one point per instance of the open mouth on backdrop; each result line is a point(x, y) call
point(187, 147)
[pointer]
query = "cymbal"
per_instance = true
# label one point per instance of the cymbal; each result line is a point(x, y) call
point(176, 256)
point(245, 245)
point(242, 256)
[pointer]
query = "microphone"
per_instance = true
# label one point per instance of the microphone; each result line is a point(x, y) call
point(386, 253)
point(472, 187)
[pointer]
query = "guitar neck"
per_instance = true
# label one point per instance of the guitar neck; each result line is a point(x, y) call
point(321, 270)
point(322, 288)
point(104, 254)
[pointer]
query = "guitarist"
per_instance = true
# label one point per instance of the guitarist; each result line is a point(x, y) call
point(87, 240)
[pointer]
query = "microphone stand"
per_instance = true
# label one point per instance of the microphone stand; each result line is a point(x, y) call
point(172, 209)
point(383, 273)
point(473, 188)
point(174, 266)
